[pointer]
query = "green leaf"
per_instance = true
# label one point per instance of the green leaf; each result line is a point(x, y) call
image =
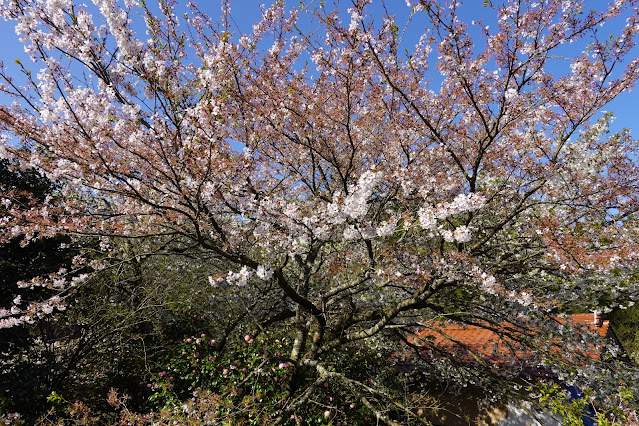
point(55, 397)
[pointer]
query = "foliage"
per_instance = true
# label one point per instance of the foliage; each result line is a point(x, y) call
point(574, 409)
point(626, 325)
point(29, 367)
point(196, 366)
point(250, 379)
point(199, 384)
point(122, 322)
point(336, 185)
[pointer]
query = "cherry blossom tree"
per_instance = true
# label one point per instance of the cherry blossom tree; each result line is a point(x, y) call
point(351, 183)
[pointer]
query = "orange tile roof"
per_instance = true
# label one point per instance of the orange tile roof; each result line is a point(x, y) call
point(497, 345)
point(595, 324)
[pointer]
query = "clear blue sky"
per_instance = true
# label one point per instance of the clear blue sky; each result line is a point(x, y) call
point(246, 12)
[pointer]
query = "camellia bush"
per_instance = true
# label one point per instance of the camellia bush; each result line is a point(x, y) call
point(342, 180)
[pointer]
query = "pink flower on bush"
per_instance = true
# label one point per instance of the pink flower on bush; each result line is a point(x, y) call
point(248, 339)
point(189, 340)
point(197, 354)
point(162, 373)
